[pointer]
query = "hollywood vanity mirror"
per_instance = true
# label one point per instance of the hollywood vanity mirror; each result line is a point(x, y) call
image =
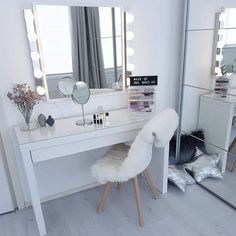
point(82, 43)
point(224, 48)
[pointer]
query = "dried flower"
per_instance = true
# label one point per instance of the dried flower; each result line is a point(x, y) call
point(24, 98)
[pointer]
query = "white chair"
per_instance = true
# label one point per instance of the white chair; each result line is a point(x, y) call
point(122, 163)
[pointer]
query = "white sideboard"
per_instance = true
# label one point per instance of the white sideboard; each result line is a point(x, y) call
point(215, 118)
point(65, 138)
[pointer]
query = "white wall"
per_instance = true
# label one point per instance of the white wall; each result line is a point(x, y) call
point(157, 29)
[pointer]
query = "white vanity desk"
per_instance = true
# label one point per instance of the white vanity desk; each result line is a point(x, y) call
point(67, 138)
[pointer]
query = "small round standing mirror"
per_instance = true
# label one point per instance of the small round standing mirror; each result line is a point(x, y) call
point(65, 86)
point(81, 95)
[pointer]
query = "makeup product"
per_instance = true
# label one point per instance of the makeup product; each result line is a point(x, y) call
point(42, 120)
point(94, 119)
point(107, 116)
point(50, 121)
point(101, 112)
point(100, 122)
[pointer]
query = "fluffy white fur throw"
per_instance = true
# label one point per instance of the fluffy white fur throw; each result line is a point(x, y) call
point(121, 164)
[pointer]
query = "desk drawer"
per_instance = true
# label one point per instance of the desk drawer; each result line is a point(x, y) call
point(56, 151)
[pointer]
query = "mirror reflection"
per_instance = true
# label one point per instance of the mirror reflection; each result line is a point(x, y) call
point(225, 46)
point(208, 119)
point(65, 86)
point(84, 43)
point(80, 93)
point(210, 124)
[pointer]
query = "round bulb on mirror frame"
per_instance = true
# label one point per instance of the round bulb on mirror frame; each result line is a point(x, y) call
point(222, 17)
point(128, 81)
point(34, 55)
point(40, 90)
point(130, 67)
point(221, 32)
point(28, 15)
point(32, 37)
point(217, 70)
point(130, 51)
point(220, 44)
point(129, 18)
point(38, 73)
point(129, 35)
point(219, 57)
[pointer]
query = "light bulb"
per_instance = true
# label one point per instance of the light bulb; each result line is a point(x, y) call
point(129, 18)
point(128, 81)
point(219, 57)
point(40, 90)
point(38, 73)
point(221, 31)
point(129, 35)
point(217, 70)
point(32, 37)
point(34, 55)
point(130, 51)
point(28, 15)
point(222, 16)
point(220, 44)
point(130, 67)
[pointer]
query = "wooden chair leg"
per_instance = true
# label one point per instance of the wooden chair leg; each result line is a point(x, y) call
point(234, 167)
point(138, 201)
point(118, 185)
point(151, 184)
point(104, 197)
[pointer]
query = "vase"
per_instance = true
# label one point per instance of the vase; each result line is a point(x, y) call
point(27, 117)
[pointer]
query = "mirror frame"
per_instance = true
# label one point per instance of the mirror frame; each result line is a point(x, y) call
point(35, 49)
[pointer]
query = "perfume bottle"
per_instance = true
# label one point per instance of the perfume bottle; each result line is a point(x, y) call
point(101, 114)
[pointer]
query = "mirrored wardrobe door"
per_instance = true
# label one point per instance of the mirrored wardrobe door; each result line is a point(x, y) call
point(208, 119)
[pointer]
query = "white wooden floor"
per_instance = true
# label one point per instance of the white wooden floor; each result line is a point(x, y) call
point(194, 213)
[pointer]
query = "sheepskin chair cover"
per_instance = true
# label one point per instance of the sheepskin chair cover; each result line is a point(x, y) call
point(122, 163)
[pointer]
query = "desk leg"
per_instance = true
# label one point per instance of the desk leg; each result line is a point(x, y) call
point(35, 199)
point(158, 168)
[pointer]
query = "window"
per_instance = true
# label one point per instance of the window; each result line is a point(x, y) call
point(111, 38)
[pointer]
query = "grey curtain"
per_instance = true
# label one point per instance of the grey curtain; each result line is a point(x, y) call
point(87, 56)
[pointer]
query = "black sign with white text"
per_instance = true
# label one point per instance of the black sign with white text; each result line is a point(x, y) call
point(143, 80)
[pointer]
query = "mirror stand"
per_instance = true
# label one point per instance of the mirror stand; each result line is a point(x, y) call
point(84, 121)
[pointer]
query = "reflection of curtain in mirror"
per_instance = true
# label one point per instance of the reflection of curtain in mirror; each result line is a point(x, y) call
point(88, 64)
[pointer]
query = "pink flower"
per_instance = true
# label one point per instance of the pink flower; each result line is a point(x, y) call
point(23, 97)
